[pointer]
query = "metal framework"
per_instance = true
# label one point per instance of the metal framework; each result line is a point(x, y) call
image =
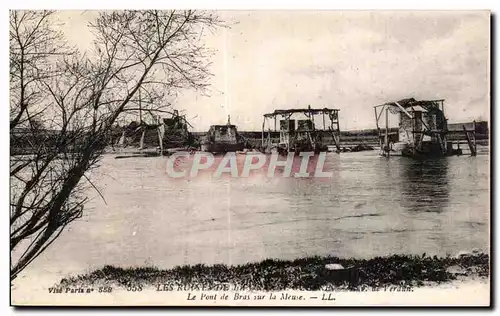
point(423, 116)
point(305, 137)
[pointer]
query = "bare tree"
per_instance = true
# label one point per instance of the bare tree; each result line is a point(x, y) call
point(34, 44)
point(156, 52)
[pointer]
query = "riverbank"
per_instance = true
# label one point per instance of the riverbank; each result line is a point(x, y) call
point(402, 272)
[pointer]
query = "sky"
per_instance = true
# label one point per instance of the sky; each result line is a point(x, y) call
point(350, 60)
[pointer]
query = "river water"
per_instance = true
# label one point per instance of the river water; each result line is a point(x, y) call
point(372, 206)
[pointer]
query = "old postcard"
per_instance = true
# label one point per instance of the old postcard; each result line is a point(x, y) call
point(256, 158)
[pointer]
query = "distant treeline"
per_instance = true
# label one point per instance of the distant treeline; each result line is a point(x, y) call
point(25, 141)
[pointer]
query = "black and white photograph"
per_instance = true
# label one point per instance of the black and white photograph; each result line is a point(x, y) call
point(189, 157)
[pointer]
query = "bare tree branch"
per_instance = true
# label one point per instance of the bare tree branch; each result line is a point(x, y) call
point(64, 104)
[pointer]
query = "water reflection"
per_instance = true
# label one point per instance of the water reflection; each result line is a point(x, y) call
point(372, 206)
point(424, 185)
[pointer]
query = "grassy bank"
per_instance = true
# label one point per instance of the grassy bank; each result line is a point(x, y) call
point(300, 274)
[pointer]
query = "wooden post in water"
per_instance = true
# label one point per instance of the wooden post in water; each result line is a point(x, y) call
point(269, 140)
point(311, 116)
point(141, 143)
point(387, 130)
point(378, 129)
point(140, 108)
point(474, 137)
point(121, 141)
point(338, 125)
point(263, 126)
point(469, 141)
point(161, 133)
